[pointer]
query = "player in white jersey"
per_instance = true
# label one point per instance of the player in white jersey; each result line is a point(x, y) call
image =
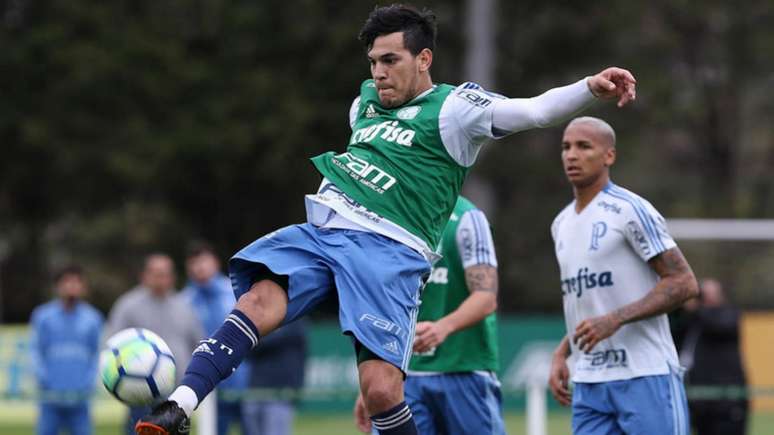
point(621, 272)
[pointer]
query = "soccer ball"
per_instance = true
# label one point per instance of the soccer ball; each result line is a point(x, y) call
point(137, 367)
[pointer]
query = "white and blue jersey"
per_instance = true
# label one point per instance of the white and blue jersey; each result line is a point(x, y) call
point(603, 253)
point(630, 383)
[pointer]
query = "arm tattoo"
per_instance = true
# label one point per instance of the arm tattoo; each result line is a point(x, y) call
point(481, 277)
point(676, 285)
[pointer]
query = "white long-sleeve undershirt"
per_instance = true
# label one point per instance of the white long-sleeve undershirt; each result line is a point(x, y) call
point(471, 116)
point(516, 114)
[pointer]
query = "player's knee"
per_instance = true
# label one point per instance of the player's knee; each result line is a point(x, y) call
point(265, 304)
point(382, 396)
point(263, 296)
point(381, 384)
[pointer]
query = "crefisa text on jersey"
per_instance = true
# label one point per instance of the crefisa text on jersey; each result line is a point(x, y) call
point(586, 281)
point(389, 130)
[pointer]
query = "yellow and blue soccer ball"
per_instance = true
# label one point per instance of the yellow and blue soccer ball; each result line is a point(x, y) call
point(137, 367)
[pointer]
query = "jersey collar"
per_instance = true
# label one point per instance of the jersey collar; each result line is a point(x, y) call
point(427, 92)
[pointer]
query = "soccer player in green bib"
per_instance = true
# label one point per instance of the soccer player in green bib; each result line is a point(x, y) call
point(452, 386)
point(376, 219)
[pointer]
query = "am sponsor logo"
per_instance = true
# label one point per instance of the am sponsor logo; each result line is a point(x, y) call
point(585, 280)
point(364, 172)
point(608, 359)
point(474, 98)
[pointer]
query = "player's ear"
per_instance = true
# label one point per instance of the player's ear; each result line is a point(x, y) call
point(610, 155)
point(425, 59)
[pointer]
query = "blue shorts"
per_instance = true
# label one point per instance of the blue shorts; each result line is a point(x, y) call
point(455, 404)
point(377, 280)
point(647, 405)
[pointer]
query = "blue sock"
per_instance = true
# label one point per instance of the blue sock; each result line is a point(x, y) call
point(218, 356)
point(396, 421)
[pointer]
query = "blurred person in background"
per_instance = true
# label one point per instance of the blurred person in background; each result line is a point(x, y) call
point(209, 292)
point(155, 305)
point(276, 380)
point(710, 351)
point(377, 217)
point(65, 354)
point(621, 273)
point(451, 385)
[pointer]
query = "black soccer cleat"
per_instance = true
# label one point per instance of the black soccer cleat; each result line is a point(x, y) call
point(166, 419)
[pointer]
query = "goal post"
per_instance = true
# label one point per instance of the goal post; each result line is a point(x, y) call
point(722, 229)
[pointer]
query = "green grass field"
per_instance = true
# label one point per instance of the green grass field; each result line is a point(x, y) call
point(309, 424)
point(341, 424)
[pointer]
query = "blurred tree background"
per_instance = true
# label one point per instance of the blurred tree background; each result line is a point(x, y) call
point(134, 126)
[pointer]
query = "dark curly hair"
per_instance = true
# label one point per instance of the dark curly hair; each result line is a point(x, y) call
point(418, 27)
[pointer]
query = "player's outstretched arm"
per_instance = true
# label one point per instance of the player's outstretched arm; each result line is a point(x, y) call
point(558, 104)
point(677, 285)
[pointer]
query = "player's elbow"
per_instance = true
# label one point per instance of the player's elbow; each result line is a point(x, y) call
point(490, 305)
point(491, 308)
point(693, 288)
point(541, 119)
point(689, 285)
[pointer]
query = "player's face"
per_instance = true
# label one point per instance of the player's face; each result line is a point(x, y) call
point(71, 287)
point(586, 156)
point(202, 267)
point(396, 72)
